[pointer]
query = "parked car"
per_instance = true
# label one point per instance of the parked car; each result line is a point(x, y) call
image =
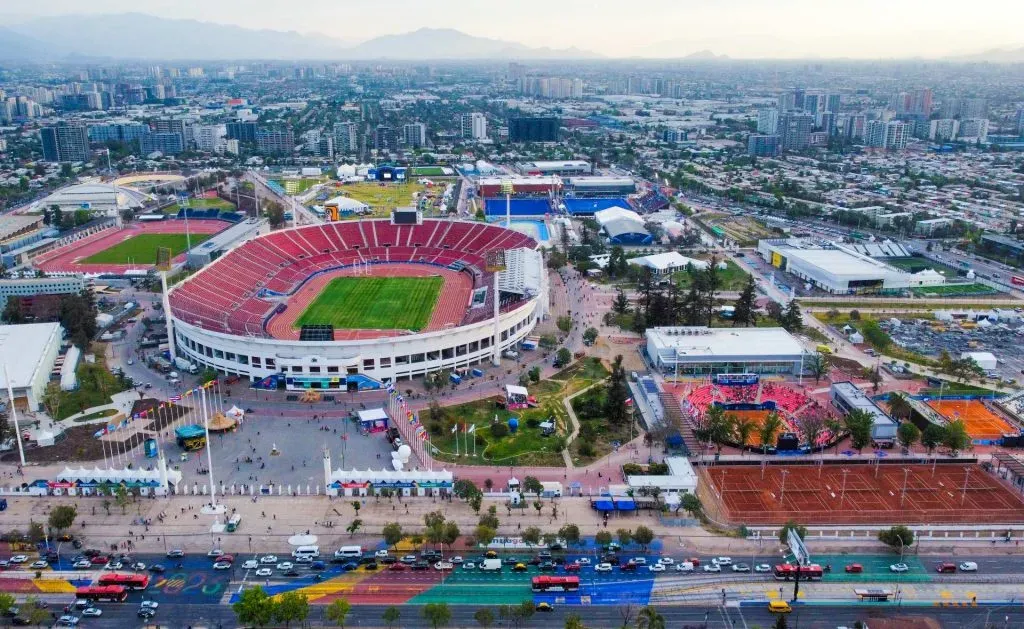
point(740, 567)
point(222, 565)
point(854, 568)
point(264, 572)
point(968, 566)
point(175, 553)
point(250, 564)
point(444, 565)
point(722, 561)
point(762, 568)
point(92, 612)
point(603, 567)
point(656, 567)
point(712, 567)
point(899, 567)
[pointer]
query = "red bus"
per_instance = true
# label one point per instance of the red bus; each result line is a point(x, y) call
point(787, 572)
point(129, 581)
point(1017, 281)
point(545, 583)
point(116, 593)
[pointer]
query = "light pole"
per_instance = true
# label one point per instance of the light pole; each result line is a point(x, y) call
point(782, 491)
point(842, 492)
point(906, 472)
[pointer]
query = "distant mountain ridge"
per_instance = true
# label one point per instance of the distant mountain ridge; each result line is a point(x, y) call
point(141, 36)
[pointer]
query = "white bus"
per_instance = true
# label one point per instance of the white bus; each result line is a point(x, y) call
point(306, 551)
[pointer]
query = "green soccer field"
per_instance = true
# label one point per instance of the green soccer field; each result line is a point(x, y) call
point(141, 249)
point(374, 303)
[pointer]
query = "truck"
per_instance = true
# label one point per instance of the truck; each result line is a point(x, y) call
point(491, 565)
point(185, 365)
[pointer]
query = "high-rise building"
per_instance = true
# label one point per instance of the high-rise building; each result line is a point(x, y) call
point(856, 127)
point(242, 131)
point(786, 101)
point(210, 138)
point(166, 143)
point(346, 137)
point(533, 129)
point(974, 129)
point(1020, 122)
point(768, 120)
point(384, 138)
point(414, 134)
point(891, 135)
point(763, 145)
point(943, 129)
point(828, 122)
point(65, 143)
point(275, 141)
point(920, 102)
point(814, 104)
point(117, 132)
point(325, 147)
point(799, 96)
point(795, 130)
point(833, 103)
point(973, 108)
point(474, 126)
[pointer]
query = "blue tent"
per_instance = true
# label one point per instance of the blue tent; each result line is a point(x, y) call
point(605, 504)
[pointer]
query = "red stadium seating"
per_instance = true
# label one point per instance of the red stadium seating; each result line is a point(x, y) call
point(226, 296)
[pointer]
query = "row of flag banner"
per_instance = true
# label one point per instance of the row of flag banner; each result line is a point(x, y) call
point(151, 412)
point(412, 418)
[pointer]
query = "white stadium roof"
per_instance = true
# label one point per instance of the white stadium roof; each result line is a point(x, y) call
point(97, 194)
point(24, 346)
point(840, 263)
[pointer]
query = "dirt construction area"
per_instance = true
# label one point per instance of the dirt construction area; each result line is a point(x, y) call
point(859, 494)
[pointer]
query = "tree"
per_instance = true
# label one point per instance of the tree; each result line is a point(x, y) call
point(625, 536)
point(621, 303)
point(538, 505)
point(792, 319)
point(338, 610)
point(874, 376)
point(392, 533)
point(603, 538)
point(36, 615)
point(745, 312)
point(12, 311)
point(896, 537)
point(859, 423)
point(354, 526)
point(649, 618)
point(35, 532)
point(743, 429)
point(532, 486)
point(391, 615)
point(718, 426)
point(62, 517)
point(590, 335)
point(570, 533)
point(818, 365)
point(484, 617)
point(255, 607)
point(563, 357)
point(531, 535)
point(484, 534)
point(534, 374)
point(781, 622)
point(274, 213)
point(573, 621)
point(790, 525)
point(77, 315)
point(291, 606)
point(956, 437)
point(932, 436)
point(564, 323)
point(899, 407)
point(465, 488)
point(770, 427)
point(437, 614)
point(121, 498)
point(451, 534)
point(643, 536)
point(907, 434)
point(6, 601)
point(691, 504)
point(812, 426)
point(616, 394)
point(127, 216)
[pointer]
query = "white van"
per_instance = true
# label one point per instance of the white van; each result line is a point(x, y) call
point(349, 552)
point(306, 551)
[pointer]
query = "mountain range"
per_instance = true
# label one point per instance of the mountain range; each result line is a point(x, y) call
point(141, 36)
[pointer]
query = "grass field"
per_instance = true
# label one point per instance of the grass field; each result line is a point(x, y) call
point(300, 185)
point(733, 277)
point(953, 290)
point(375, 303)
point(141, 249)
point(382, 197)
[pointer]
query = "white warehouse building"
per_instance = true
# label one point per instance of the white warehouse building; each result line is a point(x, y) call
point(840, 270)
point(700, 351)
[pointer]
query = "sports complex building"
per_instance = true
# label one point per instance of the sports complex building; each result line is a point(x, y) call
point(701, 351)
point(349, 305)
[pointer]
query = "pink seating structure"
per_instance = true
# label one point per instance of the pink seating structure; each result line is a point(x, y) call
point(239, 292)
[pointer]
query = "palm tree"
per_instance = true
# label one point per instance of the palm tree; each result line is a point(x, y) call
point(836, 428)
point(743, 429)
point(719, 426)
point(899, 407)
point(649, 618)
point(770, 427)
point(818, 365)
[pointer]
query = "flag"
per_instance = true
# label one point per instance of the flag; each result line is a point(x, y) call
point(98, 433)
point(454, 428)
point(472, 428)
point(175, 398)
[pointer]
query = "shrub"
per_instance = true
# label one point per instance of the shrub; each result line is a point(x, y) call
point(532, 422)
point(499, 430)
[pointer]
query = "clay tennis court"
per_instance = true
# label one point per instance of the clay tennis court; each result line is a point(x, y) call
point(813, 494)
point(981, 423)
point(448, 312)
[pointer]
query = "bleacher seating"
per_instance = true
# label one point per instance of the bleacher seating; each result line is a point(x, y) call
point(517, 207)
point(650, 201)
point(225, 296)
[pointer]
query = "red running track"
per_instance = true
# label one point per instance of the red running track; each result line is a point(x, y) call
point(67, 259)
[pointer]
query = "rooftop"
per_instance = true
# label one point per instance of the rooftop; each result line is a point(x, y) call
point(725, 342)
point(23, 347)
point(668, 260)
point(837, 262)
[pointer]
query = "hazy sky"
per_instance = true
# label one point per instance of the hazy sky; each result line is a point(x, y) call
point(739, 28)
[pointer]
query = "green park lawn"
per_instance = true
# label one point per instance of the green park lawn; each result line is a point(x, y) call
point(141, 249)
point(733, 277)
point(375, 303)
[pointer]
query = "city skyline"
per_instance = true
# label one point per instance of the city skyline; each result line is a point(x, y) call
point(742, 28)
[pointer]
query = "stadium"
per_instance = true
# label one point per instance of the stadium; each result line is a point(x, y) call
point(350, 305)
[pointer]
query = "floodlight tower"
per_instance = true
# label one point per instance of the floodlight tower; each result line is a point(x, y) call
point(495, 263)
point(507, 188)
point(163, 265)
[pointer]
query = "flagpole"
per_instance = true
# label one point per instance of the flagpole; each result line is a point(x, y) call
point(14, 416)
point(209, 448)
